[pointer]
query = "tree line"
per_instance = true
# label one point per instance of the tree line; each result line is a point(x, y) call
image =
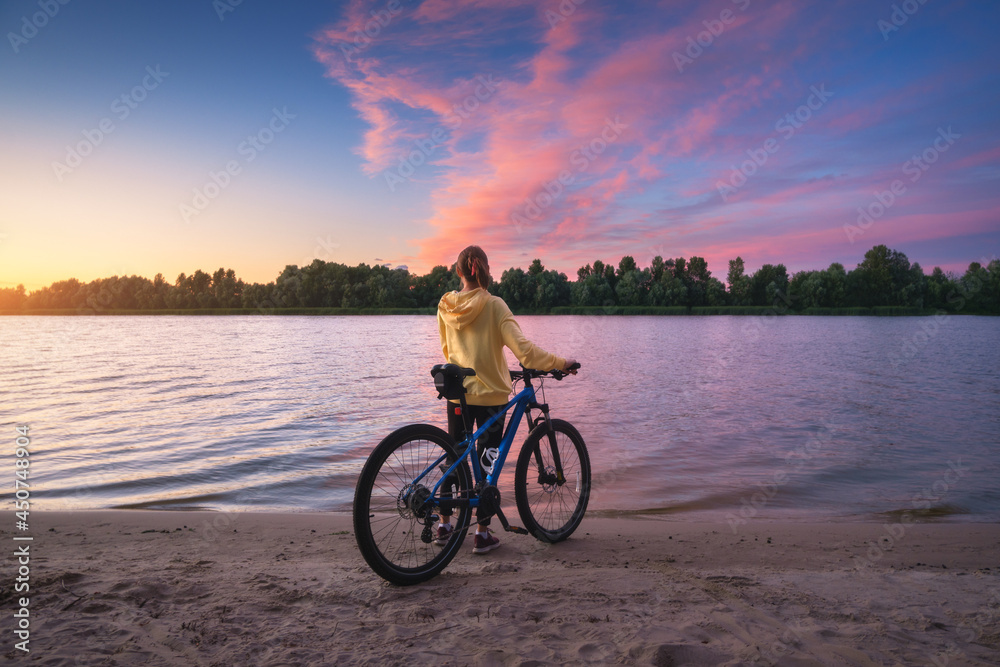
point(884, 278)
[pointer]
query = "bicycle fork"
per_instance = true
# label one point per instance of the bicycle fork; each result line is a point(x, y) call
point(545, 477)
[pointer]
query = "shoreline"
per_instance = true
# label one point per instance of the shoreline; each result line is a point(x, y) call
point(120, 587)
point(933, 516)
point(619, 311)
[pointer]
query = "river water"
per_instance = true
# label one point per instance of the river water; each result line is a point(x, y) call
point(832, 418)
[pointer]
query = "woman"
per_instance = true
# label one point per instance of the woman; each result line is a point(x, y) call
point(475, 326)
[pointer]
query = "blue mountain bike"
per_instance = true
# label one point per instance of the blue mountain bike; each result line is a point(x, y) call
point(418, 471)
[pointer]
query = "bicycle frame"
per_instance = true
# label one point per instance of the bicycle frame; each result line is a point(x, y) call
point(521, 402)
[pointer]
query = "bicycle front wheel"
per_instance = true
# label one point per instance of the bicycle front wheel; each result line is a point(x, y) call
point(552, 481)
point(391, 510)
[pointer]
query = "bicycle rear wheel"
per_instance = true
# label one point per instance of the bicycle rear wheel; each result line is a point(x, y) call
point(552, 506)
point(390, 508)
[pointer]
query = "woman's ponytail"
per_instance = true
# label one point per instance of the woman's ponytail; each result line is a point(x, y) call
point(473, 265)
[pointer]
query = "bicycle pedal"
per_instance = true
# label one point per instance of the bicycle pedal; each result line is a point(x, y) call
point(517, 529)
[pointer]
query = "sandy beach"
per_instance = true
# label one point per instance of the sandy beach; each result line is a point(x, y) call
point(208, 588)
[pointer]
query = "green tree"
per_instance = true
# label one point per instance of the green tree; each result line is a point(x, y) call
point(552, 289)
point(516, 289)
point(656, 268)
point(806, 289)
point(715, 293)
point(428, 289)
point(939, 286)
point(885, 278)
point(739, 283)
point(287, 287)
point(594, 289)
point(974, 287)
point(13, 298)
point(669, 290)
point(680, 268)
point(698, 270)
point(626, 265)
point(769, 286)
point(226, 289)
point(834, 286)
point(991, 292)
point(632, 288)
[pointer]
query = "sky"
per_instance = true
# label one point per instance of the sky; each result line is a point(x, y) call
point(155, 137)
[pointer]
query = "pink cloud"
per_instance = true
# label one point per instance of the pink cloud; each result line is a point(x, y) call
point(989, 156)
point(558, 98)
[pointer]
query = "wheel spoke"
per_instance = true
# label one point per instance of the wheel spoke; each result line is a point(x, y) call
point(388, 523)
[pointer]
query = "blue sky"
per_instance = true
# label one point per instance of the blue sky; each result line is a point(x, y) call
point(324, 185)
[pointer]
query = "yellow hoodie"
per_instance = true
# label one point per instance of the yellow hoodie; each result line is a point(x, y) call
point(475, 326)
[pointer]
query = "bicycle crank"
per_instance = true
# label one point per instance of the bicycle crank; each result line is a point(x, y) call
point(489, 505)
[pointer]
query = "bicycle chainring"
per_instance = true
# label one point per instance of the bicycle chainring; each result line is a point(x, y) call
point(489, 502)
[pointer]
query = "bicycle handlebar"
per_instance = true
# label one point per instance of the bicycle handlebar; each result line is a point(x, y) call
point(528, 373)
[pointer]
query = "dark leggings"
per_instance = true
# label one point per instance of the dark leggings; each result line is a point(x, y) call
point(478, 415)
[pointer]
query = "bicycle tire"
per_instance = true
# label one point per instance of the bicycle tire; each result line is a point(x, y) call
point(552, 511)
point(388, 532)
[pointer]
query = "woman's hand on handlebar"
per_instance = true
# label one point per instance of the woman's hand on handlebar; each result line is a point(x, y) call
point(571, 366)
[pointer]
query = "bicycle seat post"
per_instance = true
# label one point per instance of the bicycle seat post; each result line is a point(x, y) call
point(469, 428)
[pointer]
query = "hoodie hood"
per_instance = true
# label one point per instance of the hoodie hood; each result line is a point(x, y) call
point(460, 309)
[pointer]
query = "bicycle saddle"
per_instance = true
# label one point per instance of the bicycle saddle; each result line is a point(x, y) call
point(453, 370)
